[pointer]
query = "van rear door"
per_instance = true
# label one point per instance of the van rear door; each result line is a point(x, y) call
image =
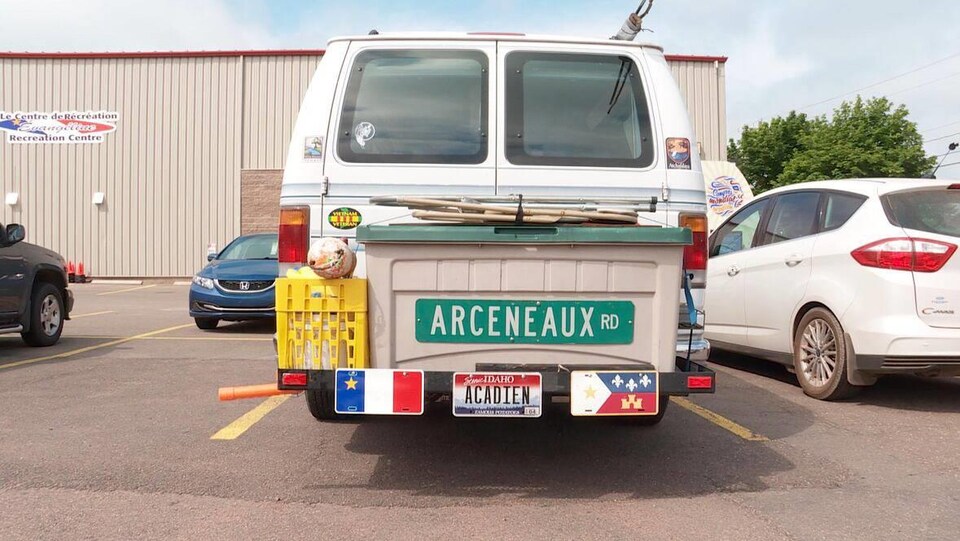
point(410, 117)
point(577, 121)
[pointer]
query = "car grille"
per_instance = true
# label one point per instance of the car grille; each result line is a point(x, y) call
point(245, 286)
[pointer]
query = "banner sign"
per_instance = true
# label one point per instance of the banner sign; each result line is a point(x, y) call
point(70, 127)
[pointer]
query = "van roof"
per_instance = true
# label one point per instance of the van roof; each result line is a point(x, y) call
point(495, 36)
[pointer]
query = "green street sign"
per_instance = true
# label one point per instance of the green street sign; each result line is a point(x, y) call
point(524, 322)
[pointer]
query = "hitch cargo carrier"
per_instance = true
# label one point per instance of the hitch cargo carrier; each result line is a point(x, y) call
point(499, 318)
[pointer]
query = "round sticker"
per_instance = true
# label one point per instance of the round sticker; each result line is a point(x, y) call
point(345, 218)
point(364, 132)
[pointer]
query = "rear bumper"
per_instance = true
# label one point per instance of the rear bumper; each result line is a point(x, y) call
point(690, 378)
point(945, 365)
point(699, 348)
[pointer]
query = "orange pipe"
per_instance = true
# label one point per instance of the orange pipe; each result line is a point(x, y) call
point(251, 391)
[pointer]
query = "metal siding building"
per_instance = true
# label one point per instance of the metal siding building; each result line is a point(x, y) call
point(197, 153)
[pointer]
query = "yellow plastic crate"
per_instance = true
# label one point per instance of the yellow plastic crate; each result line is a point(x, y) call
point(321, 324)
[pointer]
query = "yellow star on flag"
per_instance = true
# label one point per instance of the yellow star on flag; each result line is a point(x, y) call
point(590, 392)
point(351, 384)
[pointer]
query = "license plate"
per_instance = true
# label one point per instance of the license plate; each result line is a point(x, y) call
point(497, 394)
point(614, 393)
point(378, 392)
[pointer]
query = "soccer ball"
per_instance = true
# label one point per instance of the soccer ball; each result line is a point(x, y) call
point(331, 258)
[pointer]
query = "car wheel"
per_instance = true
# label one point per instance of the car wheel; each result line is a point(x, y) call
point(820, 356)
point(206, 323)
point(46, 316)
point(321, 406)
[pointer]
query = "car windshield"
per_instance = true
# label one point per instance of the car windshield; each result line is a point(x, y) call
point(931, 211)
point(258, 247)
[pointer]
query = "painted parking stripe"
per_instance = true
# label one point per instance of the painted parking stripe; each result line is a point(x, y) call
point(126, 290)
point(111, 343)
point(719, 420)
point(78, 316)
point(235, 429)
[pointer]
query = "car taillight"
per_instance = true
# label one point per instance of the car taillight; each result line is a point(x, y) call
point(953, 187)
point(294, 234)
point(695, 255)
point(918, 255)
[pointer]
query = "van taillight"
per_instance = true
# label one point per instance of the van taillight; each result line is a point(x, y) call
point(294, 234)
point(918, 255)
point(695, 255)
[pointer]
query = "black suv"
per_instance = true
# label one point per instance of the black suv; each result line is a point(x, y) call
point(34, 299)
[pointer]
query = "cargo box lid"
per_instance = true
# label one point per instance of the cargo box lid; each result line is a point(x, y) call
point(456, 234)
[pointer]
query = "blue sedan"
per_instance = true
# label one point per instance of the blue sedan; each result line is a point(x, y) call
point(237, 284)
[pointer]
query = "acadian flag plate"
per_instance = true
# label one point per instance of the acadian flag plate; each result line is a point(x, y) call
point(379, 392)
point(614, 393)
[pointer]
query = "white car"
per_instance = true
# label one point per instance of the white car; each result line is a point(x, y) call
point(842, 281)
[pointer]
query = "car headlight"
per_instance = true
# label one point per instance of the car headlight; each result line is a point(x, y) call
point(206, 283)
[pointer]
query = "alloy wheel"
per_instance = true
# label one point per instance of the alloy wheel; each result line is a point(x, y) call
point(50, 317)
point(818, 353)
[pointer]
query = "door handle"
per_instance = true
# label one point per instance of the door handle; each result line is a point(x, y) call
point(793, 260)
point(733, 270)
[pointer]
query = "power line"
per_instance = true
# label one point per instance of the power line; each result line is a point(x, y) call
point(895, 77)
point(949, 164)
point(924, 84)
point(939, 138)
point(941, 126)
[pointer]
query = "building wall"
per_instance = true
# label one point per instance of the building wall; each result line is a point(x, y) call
point(703, 85)
point(196, 155)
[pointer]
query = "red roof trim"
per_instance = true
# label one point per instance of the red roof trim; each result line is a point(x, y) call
point(169, 54)
point(278, 52)
point(695, 58)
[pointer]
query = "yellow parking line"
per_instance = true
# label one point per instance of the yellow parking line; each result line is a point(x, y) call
point(126, 290)
point(211, 338)
point(94, 347)
point(235, 429)
point(718, 420)
point(91, 314)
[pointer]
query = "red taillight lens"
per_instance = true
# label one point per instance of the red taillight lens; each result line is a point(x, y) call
point(294, 235)
point(695, 255)
point(918, 255)
point(953, 187)
point(699, 382)
point(298, 379)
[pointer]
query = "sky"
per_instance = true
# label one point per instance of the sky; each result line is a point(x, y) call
point(783, 54)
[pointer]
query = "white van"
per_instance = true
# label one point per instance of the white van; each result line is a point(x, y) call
point(493, 115)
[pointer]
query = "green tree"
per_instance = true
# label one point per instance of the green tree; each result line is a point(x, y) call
point(764, 150)
point(862, 139)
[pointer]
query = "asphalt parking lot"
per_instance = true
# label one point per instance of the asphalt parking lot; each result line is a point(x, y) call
point(116, 432)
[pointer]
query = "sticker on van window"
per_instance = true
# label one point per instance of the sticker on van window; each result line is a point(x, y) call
point(313, 148)
point(363, 133)
point(678, 153)
point(345, 218)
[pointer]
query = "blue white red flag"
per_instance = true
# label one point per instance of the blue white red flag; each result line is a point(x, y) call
point(379, 392)
point(614, 393)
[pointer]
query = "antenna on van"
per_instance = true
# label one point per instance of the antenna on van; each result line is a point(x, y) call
point(634, 23)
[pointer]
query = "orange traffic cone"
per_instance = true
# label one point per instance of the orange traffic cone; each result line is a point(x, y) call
point(81, 276)
point(71, 274)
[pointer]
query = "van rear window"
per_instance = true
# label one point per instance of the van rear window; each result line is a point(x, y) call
point(932, 211)
point(576, 110)
point(415, 106)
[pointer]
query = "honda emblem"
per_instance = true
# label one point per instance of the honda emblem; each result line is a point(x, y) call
point(244, 286)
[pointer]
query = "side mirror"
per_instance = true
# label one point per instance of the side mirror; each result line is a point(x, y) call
point(733, 242)
point(211, 257)
point(15, 233)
